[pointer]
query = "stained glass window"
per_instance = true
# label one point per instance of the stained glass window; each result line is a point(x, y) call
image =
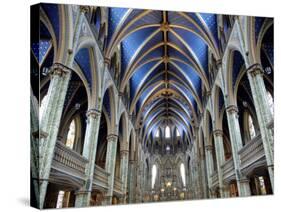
point(157, 134)
point(60, 199)
point(167, 132)
point(251, 127)
point(71, 135)
point(182, 170)
point(154, 173)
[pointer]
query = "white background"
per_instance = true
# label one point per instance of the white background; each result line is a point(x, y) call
point(14, 105)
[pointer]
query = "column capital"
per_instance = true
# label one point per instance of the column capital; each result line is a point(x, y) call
point(218, 132)
point(39, 134)
point(124, 152)
point(93, 113)
point(107, 61)
point(208, 93)
point(84, 8)
point(60, 69)
point(232, 109)
point(120, 94)
point(219, 62)
point(132, 161)
point(255, 69)
point(82, 192)
point(244, 179)
point(209, 147)
point(112, 137)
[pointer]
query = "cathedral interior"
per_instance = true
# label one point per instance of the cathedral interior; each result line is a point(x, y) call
point(138, 105)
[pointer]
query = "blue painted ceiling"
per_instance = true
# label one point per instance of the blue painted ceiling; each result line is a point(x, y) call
point(169, 49)
point(185, 44)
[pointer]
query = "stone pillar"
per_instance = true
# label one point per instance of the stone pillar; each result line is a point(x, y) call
point(203, 176)
point(210, 165)
point(110, 164)
point(255, 76)
point(132, 181)
point(124, 171)
point(236, 145)
point(50, 122)
point(83, 196)
point(196, 155)
point(226, 191)
point(218, 140)
point(34, 153)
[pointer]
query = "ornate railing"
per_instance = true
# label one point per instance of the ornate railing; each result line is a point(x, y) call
point(69, 161)
point(214, 179)
point(100, 177)
point(118, 185)
point(228, 169)
point(252, 152)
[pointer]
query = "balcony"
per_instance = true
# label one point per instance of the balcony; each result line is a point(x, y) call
point(228, 170)
point(214, 179)
point(252, 155)
point(100, 178)
point(68, 166)
point(118, 186)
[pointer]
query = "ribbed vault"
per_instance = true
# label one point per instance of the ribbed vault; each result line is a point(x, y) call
point(165, 63)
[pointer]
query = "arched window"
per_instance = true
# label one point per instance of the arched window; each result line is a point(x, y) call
point(157, 134)
point(71, 135)
point(42, 106)
point(182, 170)
point(167, 132)
point(177, 133)
point(270, 102)
point(154, 173)
point(251, 126)
point(60, 199)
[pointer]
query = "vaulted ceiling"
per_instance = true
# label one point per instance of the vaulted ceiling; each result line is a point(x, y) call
point(164, 60)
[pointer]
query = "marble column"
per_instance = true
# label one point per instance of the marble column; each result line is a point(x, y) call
point(218, 140)
point(203, 175)
point(210, 166)
point(34, 153)
point(112, 140)
point(264, 115)
point(124, 171)
point(236, 145)
point(83, 196)
point(50, 122)
point(226, 191)
point(132, 181)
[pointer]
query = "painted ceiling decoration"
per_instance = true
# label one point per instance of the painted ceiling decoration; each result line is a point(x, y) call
point(164, 61)
point(163, 54)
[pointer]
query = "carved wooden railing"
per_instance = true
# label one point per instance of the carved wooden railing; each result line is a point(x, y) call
point(252, 152)
point(100, 178)
point(69, 161)
point(214, 179)
point(228, 169)
point(117, 185)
